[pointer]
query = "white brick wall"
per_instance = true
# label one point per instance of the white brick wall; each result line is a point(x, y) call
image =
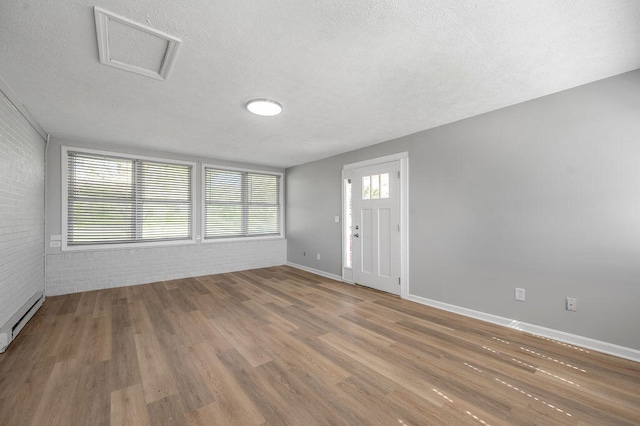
point(70, 272)
point(22, 159)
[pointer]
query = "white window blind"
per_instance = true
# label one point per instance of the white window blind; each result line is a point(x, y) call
point(241, 204)
point(113, 200)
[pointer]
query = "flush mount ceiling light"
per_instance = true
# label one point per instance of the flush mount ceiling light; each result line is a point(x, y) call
point(265, 107)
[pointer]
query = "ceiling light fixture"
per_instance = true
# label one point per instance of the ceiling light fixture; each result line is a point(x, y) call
point(265, 107)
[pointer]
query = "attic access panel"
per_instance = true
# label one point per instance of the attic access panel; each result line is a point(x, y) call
point(130, 46)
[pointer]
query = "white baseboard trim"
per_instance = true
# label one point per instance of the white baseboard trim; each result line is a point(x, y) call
point(315, 271)
point(549, 333)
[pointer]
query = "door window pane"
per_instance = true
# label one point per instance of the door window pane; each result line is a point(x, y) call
point(384, 185)
point(348, 223)
point(375, 186)
point(366, 187)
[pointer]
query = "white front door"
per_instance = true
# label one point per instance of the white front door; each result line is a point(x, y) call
point(376, 226)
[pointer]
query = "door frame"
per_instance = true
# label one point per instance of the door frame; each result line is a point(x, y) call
point(347, 173)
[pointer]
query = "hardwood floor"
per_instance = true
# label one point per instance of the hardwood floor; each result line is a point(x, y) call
point(280, 346)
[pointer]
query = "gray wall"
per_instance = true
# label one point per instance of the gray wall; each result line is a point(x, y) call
point(75, 271)
point(21, 211)
point(543, 195)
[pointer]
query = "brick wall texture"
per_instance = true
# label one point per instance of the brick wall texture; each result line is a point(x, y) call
point(22, 175)
point(71, 272)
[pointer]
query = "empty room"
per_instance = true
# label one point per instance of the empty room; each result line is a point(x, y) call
point(298, 213)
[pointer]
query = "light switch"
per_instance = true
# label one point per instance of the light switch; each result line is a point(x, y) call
point(336, 219)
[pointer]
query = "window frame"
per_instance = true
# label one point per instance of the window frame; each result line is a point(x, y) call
point(203, 184)
point(64, 157)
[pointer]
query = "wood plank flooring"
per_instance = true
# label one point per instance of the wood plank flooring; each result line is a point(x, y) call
point(279, 346)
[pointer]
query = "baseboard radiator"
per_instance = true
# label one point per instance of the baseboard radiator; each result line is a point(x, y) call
point(10, 330)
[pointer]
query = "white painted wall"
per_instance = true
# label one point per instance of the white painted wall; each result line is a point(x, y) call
point(72, 272)
point(76, 271)
point(22, 177)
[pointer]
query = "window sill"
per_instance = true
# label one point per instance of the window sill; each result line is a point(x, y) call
point(126, 246)
point(242, 239)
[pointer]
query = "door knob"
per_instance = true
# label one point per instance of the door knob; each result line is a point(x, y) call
point(356, 235)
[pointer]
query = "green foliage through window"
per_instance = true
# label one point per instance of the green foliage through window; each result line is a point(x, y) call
point(241, 204)
point(112, 200)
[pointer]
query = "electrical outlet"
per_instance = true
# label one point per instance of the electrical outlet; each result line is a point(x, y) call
point(520, 294)
point(571, 304)
point(55, 244)
point(317, 256)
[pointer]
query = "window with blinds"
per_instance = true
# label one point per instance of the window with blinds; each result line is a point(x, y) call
point(241, 204)
point(115, 200)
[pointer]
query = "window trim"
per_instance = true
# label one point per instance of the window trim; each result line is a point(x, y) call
point(203, 207)
point(64, 164)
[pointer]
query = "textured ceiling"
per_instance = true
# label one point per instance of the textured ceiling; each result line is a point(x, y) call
point(348, 73)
